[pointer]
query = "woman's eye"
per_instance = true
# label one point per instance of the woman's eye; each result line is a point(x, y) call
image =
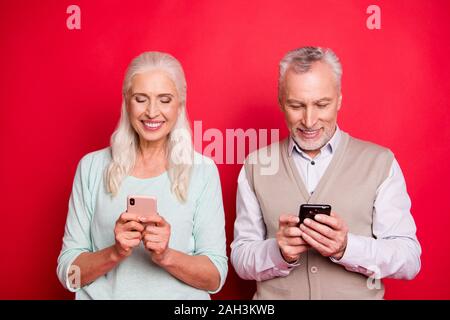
point(140, 99)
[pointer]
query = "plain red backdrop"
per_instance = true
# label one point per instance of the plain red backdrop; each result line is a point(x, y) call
point(60, 93)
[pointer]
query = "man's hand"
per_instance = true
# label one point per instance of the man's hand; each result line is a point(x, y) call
point(289, 238)
point(328, 235)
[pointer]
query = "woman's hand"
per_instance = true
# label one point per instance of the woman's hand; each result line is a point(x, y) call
point(156, 238)
point(128, 233)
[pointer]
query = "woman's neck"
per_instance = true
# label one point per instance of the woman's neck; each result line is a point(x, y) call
point(151, 156)
point(149, 150)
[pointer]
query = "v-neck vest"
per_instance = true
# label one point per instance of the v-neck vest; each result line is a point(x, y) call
point(349, 185)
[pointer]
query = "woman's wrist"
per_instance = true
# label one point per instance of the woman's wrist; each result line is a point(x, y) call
point(115, 255)
point(164, 259)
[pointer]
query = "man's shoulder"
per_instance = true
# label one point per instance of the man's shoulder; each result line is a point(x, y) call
point(368, 148)
point(364, 146)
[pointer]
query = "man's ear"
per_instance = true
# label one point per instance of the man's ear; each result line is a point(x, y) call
point(281, 103)
point(339, 102)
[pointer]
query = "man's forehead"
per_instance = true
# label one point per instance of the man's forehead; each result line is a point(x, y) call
point(315, 82)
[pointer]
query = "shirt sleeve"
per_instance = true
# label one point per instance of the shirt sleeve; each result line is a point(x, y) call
point(76, 238)
point(209, 223)
point(395, 251)
point(252, 255)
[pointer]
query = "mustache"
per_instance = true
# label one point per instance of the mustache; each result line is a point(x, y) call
point(308, 129)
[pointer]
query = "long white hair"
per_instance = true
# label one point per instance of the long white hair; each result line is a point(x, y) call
point(125, 140)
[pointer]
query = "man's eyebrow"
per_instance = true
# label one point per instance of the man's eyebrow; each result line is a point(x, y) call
point(326, 99)
point(294, 101)
point(165, 95)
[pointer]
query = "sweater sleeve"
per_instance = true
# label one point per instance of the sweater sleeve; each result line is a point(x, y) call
point(209, 222)
point(77, 237)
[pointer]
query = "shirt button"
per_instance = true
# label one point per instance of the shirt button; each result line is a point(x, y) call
point(313, 163)
point(314, 269)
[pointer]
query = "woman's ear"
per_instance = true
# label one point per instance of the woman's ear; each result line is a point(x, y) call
point(125, 101)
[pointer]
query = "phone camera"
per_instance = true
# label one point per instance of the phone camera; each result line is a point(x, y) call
point(132, 201)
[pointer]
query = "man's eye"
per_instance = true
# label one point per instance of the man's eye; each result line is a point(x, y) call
point(166, 100)
point(322, 105)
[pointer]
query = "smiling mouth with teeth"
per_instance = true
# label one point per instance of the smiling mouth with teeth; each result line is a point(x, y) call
point(152, 125)
point(308, 133)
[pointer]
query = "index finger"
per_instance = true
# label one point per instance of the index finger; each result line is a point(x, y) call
point(288, 219)
point(128, 216)
point(154, 218)
point(331, 221)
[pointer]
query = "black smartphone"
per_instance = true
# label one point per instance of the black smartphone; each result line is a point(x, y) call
point(310, 211)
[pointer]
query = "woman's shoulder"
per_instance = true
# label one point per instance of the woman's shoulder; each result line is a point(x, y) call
point(204, 169)
point(97, 157)
point(204, 165)
point(94, 162)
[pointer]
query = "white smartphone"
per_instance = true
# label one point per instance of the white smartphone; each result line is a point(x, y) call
point(144, 206)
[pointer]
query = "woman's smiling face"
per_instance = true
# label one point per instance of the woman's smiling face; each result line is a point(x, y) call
point(153, 105)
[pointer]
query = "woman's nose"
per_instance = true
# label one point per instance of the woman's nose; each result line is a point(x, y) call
point(152, 109)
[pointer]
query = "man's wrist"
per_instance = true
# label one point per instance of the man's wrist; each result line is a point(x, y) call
point(340, 254)
point(287, 260)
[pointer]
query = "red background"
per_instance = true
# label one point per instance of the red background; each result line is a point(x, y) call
point(61, 95)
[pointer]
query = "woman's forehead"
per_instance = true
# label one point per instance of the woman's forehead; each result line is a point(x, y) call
point(154, 81)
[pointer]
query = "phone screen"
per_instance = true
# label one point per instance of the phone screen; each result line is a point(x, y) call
point(310, 211)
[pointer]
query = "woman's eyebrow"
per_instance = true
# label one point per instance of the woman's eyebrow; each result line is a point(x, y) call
point(139, 93)
point(146, 95)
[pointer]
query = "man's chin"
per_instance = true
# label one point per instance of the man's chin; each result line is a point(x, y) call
point(309, 145)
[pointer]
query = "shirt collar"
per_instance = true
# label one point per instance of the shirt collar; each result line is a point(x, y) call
point(330, 147)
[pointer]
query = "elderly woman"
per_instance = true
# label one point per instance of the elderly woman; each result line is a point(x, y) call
point(179, 253)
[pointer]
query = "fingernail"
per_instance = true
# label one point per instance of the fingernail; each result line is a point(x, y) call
point(142, 219)
point(307, 221)
point(318, 218)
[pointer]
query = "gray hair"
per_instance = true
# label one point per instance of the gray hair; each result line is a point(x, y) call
point(125, 141)
point(301, 60)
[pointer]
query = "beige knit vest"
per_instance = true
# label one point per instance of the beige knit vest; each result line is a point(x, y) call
point(349, 185)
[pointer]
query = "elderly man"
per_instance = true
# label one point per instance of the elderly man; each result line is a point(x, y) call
point(370, 233)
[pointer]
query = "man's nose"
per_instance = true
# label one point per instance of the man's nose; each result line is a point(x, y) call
point(309, 117)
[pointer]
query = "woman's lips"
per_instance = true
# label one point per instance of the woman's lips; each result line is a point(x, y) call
point(152, 125)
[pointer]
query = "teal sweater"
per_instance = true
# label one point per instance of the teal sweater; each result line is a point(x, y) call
point(197, 228)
